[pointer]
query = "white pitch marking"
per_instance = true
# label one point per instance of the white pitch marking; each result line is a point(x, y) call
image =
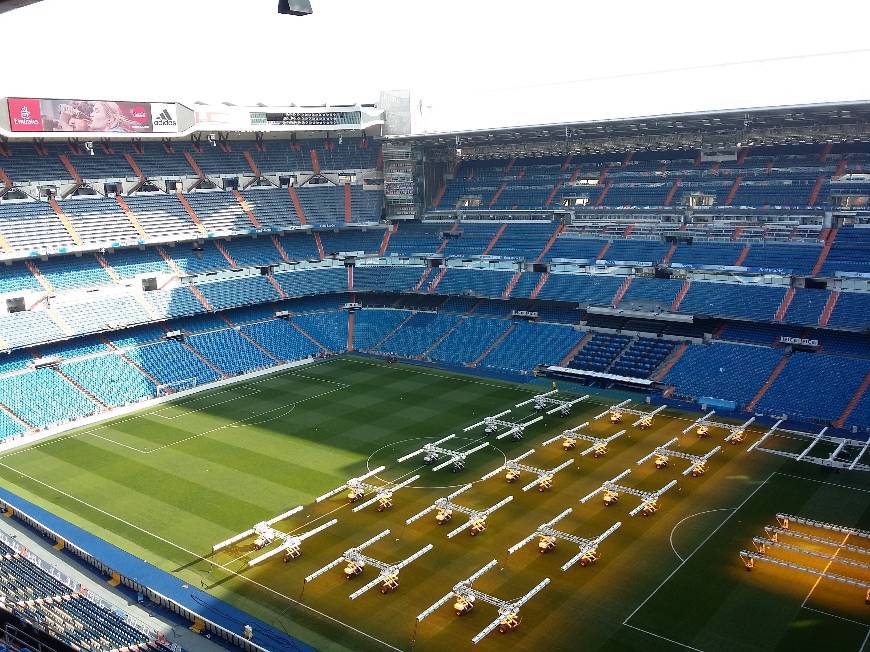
point(825, 570)
point(199, 557)
point(111, 423)
point(700, 545)
point(674, 529)
point(233, 424)
point(864, 644)
point(196, 410)
point(669, 640)
point(117, 443)
point(830, 484)
point(827, 613)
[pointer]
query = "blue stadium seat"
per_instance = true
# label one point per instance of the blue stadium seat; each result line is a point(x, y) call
point(328, 328)
point(530, 344)
point(170, 362)
point(732, 372)
point(469, 340)
point(43, 398)
point(814, 386)
point(418, 334)
point(110, 379)
point(282, 340)
point(373, 325)
point(742, 301)
point(229, 351)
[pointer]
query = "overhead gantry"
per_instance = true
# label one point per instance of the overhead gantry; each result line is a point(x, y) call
point(849, 454)
point(702, 425)
point(616, 412)
point(513, 429)
point(543, 401)
point(266, 535)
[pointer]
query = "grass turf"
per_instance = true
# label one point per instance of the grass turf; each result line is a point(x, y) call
point(167, 483)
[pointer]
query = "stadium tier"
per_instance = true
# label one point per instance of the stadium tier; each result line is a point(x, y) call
point(484, 279)
point(758, 177)
point(40, 594)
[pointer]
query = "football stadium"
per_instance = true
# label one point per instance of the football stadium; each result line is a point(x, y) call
point(286, 378)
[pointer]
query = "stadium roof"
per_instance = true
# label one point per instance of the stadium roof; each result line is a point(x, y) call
point(834, 122)
point(9, 5)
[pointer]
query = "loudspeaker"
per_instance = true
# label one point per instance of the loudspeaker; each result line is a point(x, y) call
point(149, 284)
point(15, 304)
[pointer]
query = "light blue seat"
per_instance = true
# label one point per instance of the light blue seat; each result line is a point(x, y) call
point(42, 398)
point(112, 380)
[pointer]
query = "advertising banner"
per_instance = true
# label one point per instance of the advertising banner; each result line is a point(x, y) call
point(164, 118)
point(25, 115)
point(83, 116)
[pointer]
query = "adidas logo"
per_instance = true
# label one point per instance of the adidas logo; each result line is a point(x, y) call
point(165, 119)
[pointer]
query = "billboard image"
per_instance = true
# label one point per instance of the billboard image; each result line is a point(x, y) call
point(164, 117)
point(84, 116)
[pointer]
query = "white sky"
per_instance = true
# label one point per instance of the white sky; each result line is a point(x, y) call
point(470, 63)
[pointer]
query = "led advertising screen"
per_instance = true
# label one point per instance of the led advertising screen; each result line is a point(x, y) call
point(89, 116)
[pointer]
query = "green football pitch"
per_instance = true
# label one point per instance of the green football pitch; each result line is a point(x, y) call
point(168, 482)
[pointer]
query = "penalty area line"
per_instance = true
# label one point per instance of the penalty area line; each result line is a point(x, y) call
point(690, 516)
point(247, 423)
point(198, 409)
point(664, 638)
point(697, 548)
point(145, 413)
point(817, 481)
point(843, 618)
point(200, 557)
point(117, 443)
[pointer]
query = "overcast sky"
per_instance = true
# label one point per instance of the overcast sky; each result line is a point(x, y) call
point(468, 63)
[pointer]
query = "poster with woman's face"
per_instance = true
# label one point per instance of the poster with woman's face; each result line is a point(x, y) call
point(92, 115)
